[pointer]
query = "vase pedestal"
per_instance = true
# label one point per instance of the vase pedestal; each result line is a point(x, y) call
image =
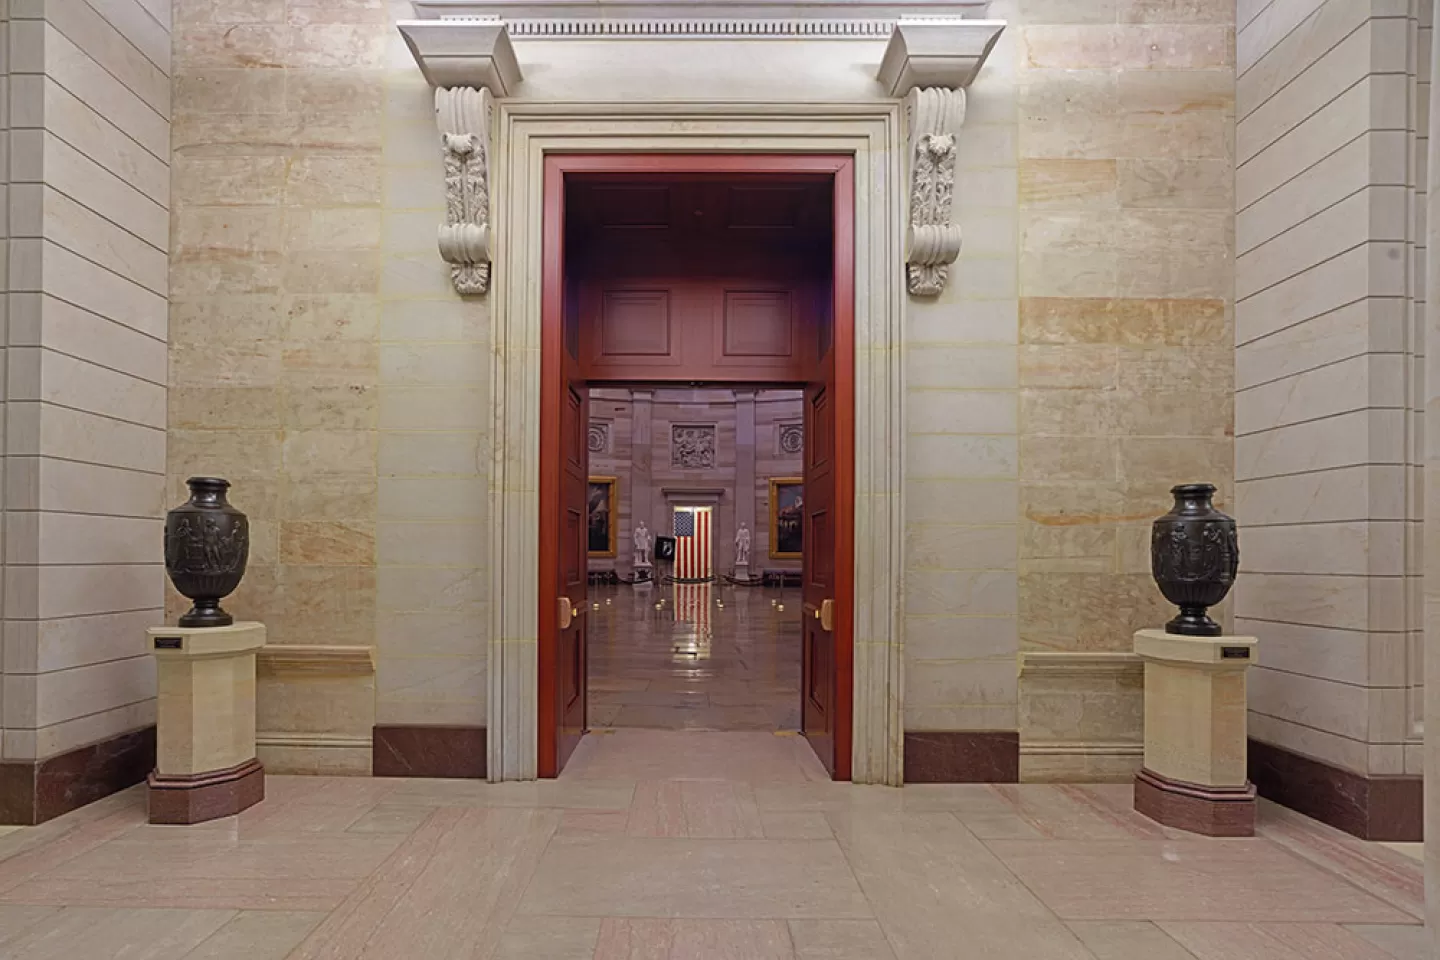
point(205, 765)
point(1194, 777)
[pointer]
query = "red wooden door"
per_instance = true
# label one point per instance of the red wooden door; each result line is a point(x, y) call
point(817, 665)
point(564, 489)
point(828, 594)
point(573, 513)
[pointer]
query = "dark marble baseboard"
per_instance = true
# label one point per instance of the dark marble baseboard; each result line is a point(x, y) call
point(962, 756)
point(206, 796)
point(1209, 811)
point(1372, 808)
point(33, 791)
point(423, 750)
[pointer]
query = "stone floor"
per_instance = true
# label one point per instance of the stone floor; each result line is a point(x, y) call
point(669, 844)
point(695, 657)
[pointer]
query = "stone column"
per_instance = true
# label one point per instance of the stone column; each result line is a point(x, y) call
point(744, 472)
point(642, 492)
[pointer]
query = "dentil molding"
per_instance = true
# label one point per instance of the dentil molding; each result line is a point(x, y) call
point(463, 115)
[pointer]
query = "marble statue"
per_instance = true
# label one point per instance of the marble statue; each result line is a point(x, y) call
point(742, 545)
point(642, 545)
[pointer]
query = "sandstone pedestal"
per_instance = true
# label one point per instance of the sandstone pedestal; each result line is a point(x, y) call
point(1194, 774)
point(205, 764)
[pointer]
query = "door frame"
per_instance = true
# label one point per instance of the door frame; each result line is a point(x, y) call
point(840, 168)
point(527, 135)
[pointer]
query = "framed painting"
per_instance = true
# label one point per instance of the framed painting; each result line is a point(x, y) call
point(787, 517)
point(602, 517)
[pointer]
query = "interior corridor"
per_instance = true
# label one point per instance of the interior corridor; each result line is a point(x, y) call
point(695, 846)
point(695, 657)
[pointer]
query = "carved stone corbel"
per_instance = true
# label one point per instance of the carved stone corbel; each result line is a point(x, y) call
point(932, 241)
point(463, 115)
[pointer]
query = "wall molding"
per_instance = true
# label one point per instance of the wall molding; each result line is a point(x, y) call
point(316, 658)
point(1088, 663)
point(1081, 715)
point(292, 735)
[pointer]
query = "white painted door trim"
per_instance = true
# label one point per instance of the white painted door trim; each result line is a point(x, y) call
point(525, 131)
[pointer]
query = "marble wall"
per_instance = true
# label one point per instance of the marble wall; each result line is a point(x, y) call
point(1078, 366)
point(320, 358)
point(86, 135)
point(1330, 149)
point(1078, 363)
point(646, 471)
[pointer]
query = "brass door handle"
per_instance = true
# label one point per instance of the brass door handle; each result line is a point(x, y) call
point(825, 613)
point(568, 612)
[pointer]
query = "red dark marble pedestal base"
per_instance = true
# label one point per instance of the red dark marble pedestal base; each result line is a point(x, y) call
point(1209, 811)
point(206, 796)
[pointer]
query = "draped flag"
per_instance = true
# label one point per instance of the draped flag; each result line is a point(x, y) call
point(692, 542)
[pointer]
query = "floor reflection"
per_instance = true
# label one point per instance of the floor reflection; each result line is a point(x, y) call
point(695, 657)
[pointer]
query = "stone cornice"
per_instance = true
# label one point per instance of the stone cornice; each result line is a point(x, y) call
point(710, 10)
point(920, 51)
point(936, 52)
point(464, 53)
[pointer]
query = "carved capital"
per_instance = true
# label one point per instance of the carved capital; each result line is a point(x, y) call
point(932, 241)
point(463, 115)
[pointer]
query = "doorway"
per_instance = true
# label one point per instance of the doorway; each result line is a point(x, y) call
point(674, 270)
point(708, 639)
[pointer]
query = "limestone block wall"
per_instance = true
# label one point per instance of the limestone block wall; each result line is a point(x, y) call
point(645, 471)
point(321, 359)
point(1078, 365)
point(86, 137)
point(1330, 149)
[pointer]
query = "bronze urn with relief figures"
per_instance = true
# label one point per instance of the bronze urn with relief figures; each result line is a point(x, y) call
point(207, 542)
point(1194, 556)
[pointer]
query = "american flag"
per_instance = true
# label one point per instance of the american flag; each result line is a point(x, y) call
point(692, 542)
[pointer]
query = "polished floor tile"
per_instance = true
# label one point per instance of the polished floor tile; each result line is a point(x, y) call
point(934, 886)
point(1271, 941)
point(694, 657)
point(1384, 873)
point(622, 939)
point(694, 755)
point(1399, 942)
point(257, 935)
point(1128, 940)
point(1239, 880)
point(678, 845)
point(94, 932)
point(699, 879)
point(549, 938)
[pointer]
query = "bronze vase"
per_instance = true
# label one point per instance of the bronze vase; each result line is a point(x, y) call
point(1194, 556)
point(207, 542)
